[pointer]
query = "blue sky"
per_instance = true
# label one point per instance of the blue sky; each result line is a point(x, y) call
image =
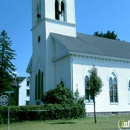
point(91, 16)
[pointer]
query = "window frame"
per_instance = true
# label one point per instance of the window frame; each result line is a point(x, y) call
point(113, 89)
point(90, 99)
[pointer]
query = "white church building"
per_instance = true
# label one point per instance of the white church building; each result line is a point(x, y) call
point(62, 54)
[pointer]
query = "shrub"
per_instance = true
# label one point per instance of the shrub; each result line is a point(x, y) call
point(45, 112)
point(59, 95)
point(59, 104)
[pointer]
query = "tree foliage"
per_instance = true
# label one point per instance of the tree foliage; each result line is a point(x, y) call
point(95, 86)
point(72, 104)
point(59, 95)
point(94, 82)
point(6, 66)
point(108, 34)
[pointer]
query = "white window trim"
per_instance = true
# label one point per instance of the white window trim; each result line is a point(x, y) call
point(88, 103)
point(114, 103)
point(113, 74)
point(87, 73)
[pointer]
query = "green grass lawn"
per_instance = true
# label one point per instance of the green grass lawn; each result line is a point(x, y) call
point(103, 123)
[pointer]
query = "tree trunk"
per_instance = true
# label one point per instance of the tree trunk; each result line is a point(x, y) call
point(94, 110)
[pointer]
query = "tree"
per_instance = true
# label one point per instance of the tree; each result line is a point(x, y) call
point(6, 66)
point(95, 85)
point(110, 35)
point(59, 95)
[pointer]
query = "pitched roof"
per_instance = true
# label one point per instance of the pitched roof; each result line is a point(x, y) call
point(19, 80)
point(88, 44)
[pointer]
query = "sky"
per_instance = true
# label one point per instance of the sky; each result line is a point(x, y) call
point(91, 16)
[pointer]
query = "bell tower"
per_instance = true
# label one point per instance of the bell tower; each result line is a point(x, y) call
point(48, 16)
point(59, 14)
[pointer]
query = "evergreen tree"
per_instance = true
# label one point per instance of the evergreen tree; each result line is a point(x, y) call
point(108, 34)
point(95, 85)
point(6, 66)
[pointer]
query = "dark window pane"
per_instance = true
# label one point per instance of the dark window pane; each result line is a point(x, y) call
point(86, 94)
point(27, 93)
point(110, 83)
point(56, 10)
point(129, 85)
point(28, 83)
point(36, 86)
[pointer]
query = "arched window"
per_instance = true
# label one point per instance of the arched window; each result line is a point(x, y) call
point(59, 10)
point(36, 88)
point(129, 91)
point(62, 6)
point(88, 97)
point(38, 12)
point(56, 9)
point(39, 85)
point(129, 86)
point(113, 88)
point(62, 11)
point(42, 79)
point(62, 83)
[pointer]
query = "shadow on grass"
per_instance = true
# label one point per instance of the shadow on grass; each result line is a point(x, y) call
point(64, 122)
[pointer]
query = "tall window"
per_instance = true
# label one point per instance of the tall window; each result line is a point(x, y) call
point(129, 91)
point(41, 88)
point(113, 88)
point(59, 10)
point(27, 92)
point(28, 82)
point(38, 85)
point(38, 12)
point(129, 86)
point(36, 88)
point(88, 97)
point(62, 11)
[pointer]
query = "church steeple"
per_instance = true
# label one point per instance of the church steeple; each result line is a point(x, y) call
point(48, 16)
point(60, 13)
